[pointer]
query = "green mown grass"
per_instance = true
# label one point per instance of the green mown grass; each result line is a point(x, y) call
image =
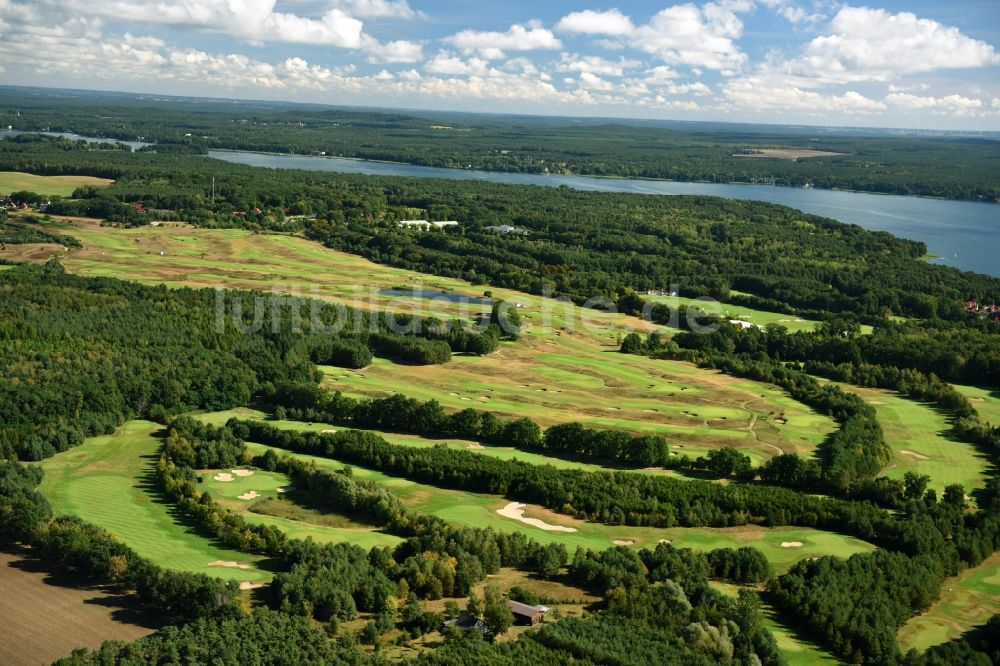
point(63, 186)
point(966, 601)
point(478, 510)
point(986, 402)
point(798, 649)
point(924, 431)
point(266, 484)
point(108, 481)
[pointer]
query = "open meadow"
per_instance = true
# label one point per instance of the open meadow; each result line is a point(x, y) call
point(63, 186)
point(109, 481)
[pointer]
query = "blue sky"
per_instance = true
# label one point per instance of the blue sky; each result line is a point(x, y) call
point(915, 64)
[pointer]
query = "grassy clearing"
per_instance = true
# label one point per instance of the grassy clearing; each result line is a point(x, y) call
point(797, 649)
point(235, 495)
point(109, 481)
point(478, 510)
point(559, 371)
point(986, 402)
point(966, 601)
point(920, 437)
point(47, 613)
point(752, 315)
point(63, 186)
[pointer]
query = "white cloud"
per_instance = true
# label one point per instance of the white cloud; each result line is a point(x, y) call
point(378, 8)
point(793, 13)
point(492, 45)
point(594, 82)
point(449, 64)
point(611, 23)
point(761, 92)
point(595, 65)
point(956, 105)
point(254, 21)
point(874, 45)
point(696, 36)
point(388, 52)
point(661, 74)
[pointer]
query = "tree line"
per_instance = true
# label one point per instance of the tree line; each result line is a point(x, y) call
point(398, 413)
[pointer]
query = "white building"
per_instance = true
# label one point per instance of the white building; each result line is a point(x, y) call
point(424, 224)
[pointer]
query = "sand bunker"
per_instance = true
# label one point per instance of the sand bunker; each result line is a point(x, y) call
point(875, 402)
point(667, 541)
point(515, 510)
point(282, 489)
point(243, 472)
point(230, 564)
point(329, 431)
point(623, 542)
point(223, 476)
point(253, 494)
point(791, 544)
point(913, 454)
point(245, 585)
point(476, 446)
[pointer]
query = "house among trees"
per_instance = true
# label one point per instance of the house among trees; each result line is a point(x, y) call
point(466, 621)
point(525, 614)
point(507, 229)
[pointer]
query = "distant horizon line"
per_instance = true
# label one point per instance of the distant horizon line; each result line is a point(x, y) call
point(840, 129)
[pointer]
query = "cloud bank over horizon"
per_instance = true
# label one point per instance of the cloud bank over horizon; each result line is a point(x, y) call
point(785, 61)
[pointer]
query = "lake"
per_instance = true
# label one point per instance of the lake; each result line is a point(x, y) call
point(432, 294)
point(963, 234)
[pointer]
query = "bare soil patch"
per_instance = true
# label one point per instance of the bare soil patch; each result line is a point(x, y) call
point(230, 564)
point(48, 613)
point(913, 454)
point(515, 511)
point(793, 154)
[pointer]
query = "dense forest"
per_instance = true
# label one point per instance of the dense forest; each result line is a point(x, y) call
point(949, 167)
point(82, 355)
